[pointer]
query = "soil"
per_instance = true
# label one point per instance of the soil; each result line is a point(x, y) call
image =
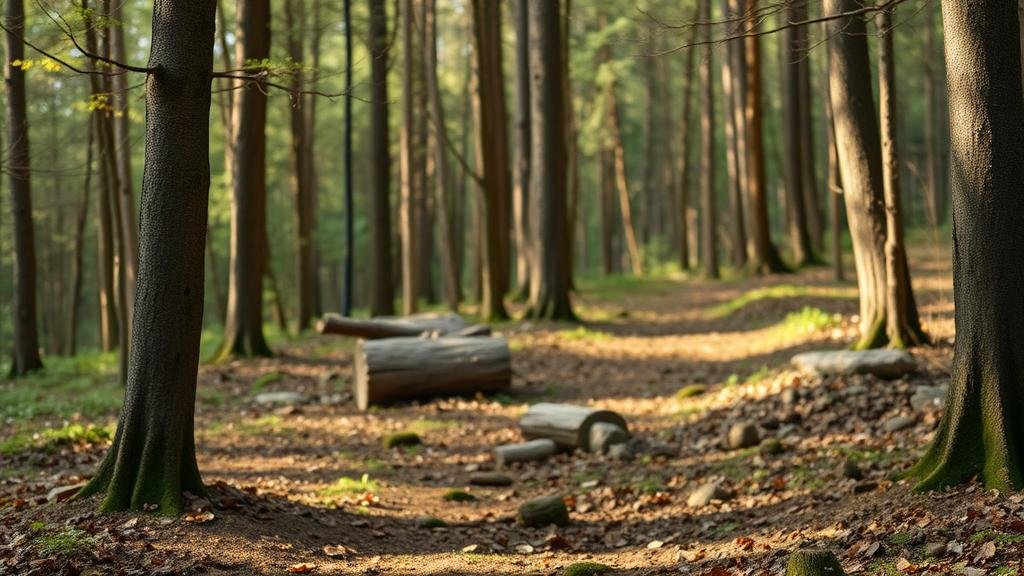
point(276, 506)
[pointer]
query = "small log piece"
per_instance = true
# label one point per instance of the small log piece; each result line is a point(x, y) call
point(392, 326)
point(538, 449)
point(569, 426)
point(543, 512)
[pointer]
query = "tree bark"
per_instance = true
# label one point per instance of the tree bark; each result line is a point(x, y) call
point(738, 226)
point(521, 158)
point(765, 258)
point(391, 327)
point(76, 262)
point(152, 459)
point(407, 216)
point(795, 40)
point(708, 208)
point(26, 332)
point(835, 189)
point(979, 434)
point(903, 327)
point(932, 193)
point(607, 183)
point(549, 291)
point(243, 328)
point(382, 295)
point(493, 142)
point(685, 155)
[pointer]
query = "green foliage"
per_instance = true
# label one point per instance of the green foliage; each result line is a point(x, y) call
point(346, 486)
point(53, 438)
point(402, 439)
point(424, 425)
point(585, 334)
point(70, 542)
point(1000, 538)
point(586, 569)
point(691, 390)
point(430, 522)
point(807, 320)
point(777, 292)
point(85, 385)
point(263, 381)
point(455, 495)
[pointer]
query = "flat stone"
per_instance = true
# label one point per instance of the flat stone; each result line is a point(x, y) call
point(897, 423)
point(707, 493)
point(929, 398)
point(743, 435)
point(281, 398)
point(490, 479)
point(62, 493)
point(888, 364)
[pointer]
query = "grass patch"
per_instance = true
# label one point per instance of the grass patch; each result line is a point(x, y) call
point(777, 292)
point(401, 439)
point(261, 383)
point(582, 333)
point(586, 569)
point(84, 386)
point(70, 542)
point(690, 391)
point(52, 439)
point(808, 320)
point(1000, 538)
point(424, 425)
point(346, 486)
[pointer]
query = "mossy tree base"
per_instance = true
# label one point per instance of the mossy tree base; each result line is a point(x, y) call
point(243, 346)
point(813, 563)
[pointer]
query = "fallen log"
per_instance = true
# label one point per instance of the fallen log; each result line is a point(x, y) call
point(392, 326)
point(569, 426)
point(538, 449)
point(396, 369)
point(543, 512)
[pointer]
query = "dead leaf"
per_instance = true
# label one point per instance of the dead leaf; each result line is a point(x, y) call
point(339, 551)
point(301, 568)
point(199, 517)
point(987, 550)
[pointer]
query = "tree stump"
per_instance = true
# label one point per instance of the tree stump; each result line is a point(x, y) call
point(396, 326)
point(538, 449)
point(396, 369)
point(813, 563)
point(569, 426)
point(543, 512)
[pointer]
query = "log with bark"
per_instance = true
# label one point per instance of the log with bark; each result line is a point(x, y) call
point(570, 426)
point(396, 369)
point(538, 449)
point(394, 326)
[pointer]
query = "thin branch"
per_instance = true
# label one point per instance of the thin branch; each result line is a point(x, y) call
point(71, 36)
point(462, 161)
point(57, 59)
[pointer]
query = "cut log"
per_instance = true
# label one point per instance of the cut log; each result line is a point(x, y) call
point(538, 449)
point(474, 330)
point(392, 326)
point(396, 369)
point(604, 434)
point(569, 426)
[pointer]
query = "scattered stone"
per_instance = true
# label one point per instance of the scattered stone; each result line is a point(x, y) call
point(771, 447)
point(865, 487)
point(888, 364)
point(586, 569)
point(454, 495)
point(402, 439)
point(856, 390)
point(851, 470)
point(936, 549)
point(743, 435)
point(490, 479)
point(622, 452)
point(281, 398)
point(813, 563)
point(897, 423)
point(790, 417)
point(62, 493)
point(929, 398)
point(429, 522)
point(543, 512)
point(707, 493)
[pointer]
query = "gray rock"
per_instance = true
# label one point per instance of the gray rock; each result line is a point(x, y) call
point(897, 423)
point(929, 398)
point(856, 390)
point(490, 479)
point(887, 364)
point(663, 450)
point(707, 493)
point(281, 398)
point(743, 435)
point(851, 470)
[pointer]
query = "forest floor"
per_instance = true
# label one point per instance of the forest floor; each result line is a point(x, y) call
point(289, 484)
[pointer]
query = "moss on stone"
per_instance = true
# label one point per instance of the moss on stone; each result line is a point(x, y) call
point(402, 439)
point(813, 563)
point(586, 569)
point(454, 495)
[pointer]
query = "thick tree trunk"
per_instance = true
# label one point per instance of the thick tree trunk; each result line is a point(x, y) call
point(932, 193)
point(407, 214)
point(795, 40)
point(685, 153)
point(152, 460)
point(76, 262)
point(812, 204)
point(396, 369)
point(492, 140)
point(835, 190)
point(903, 327)
point(575, 226)
point(521, 158)
point(549, 289)
point(708, 208)
point(738, 225)
point(764, 258)
point(382, 295)
point(980, 432)
point(26, 332)
point(243, 328)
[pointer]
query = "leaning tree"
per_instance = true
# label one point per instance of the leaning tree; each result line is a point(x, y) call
point(980, 433)
point(152, 460)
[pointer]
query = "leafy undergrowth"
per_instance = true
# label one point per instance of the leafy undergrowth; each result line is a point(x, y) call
point(311, 486)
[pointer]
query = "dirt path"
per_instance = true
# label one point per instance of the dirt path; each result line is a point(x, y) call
point(288, 481)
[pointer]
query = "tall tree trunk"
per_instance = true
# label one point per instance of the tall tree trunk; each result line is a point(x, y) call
point(622, 182)
point(76, 262)
point(492, 140)
point(549, 291)
point(795, 39)
point(980, 433)
point(312, 204)
point(932, 193)
point(708, 208)
point(382, 295)
point(521, 156)
point(738, 225)
point(26, 332)
point(860, 159)
point(575, 224)
point(423, 165)
point(152, 459)
point(243, 329)
point(407, 215)
point(812, 203)
point(765, 258)
point(300, 171)
point(903, 327)
point(685, 154)
point(835, 188)
point(607, 183)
